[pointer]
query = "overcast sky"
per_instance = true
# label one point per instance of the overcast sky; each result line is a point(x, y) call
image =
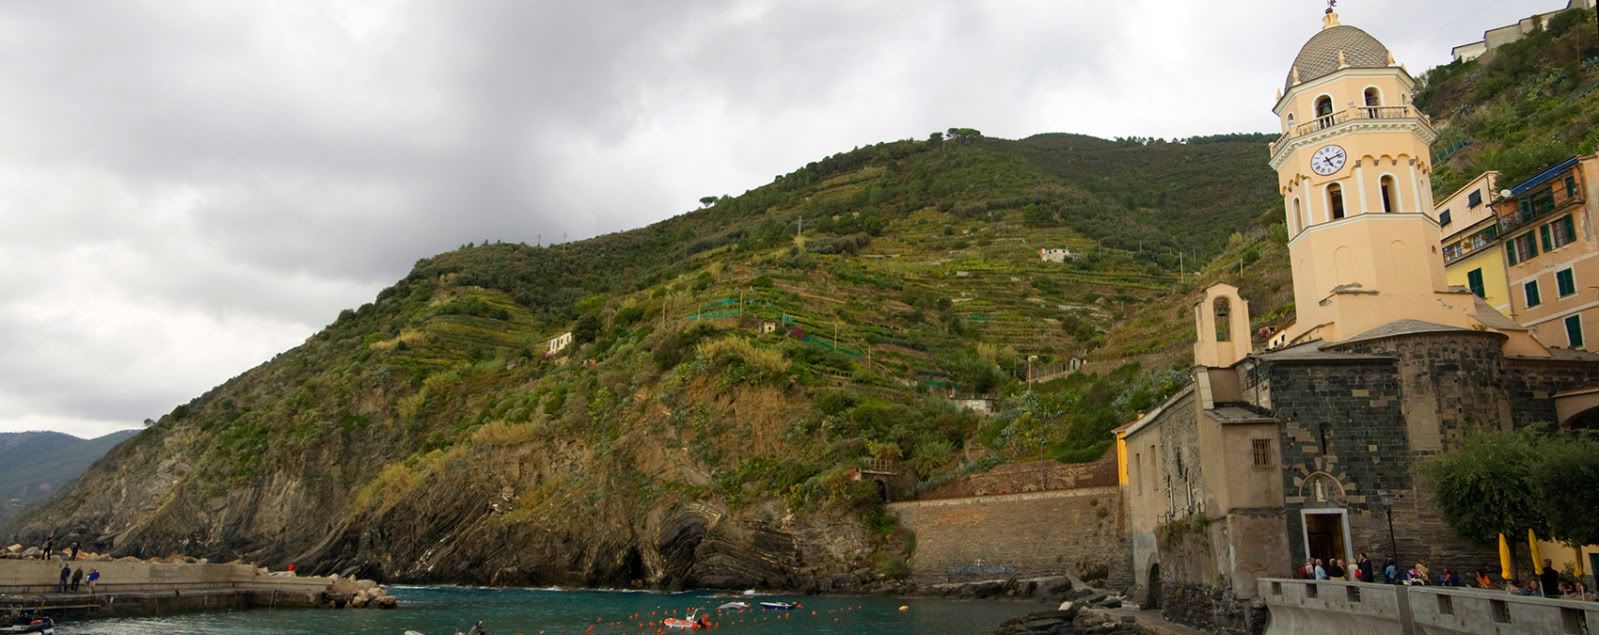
point(187, 188)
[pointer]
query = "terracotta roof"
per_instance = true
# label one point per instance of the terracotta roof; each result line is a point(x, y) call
point(1319, 57)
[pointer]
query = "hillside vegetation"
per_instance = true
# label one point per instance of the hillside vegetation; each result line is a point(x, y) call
point(1518, 109)
point(36, 465)
point(730, 366)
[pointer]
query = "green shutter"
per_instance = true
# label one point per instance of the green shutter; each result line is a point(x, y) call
point(1510, 252)
point(1548, 242)
point(1574, 331)
point(1566, 282)
point(1569, 226)
point(1474, 280)
point(1531, 289)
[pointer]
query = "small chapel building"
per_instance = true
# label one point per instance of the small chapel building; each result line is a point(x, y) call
point(1305, 447)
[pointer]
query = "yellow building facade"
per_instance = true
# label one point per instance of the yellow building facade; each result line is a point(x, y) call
point(1473, 258)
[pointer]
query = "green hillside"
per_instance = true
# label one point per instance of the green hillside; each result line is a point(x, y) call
point(1519, 109)
point(895, 276)
point(36, 465)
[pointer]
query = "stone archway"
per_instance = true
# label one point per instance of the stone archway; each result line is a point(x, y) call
point(1152, 583)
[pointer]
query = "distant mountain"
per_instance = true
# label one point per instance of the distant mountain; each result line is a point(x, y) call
point(35, 465)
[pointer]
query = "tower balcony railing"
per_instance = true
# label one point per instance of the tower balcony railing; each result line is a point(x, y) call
point(1355, 114)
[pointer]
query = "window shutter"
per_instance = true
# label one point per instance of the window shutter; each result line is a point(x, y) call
point(1510, 251)
point(1531, 289)
point(1570, 227)
point(1548, 242)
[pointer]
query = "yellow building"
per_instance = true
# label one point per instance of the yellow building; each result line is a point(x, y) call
point(1354, 169)
point(1472, 255)
point(1552, 253)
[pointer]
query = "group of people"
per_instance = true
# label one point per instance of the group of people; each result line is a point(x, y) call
point(69, 553)
point(71, 578)
point(1547, 583)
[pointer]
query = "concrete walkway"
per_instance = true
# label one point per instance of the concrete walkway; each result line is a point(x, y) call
point(1151, 619)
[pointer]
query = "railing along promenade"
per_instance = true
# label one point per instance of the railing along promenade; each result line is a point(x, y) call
point(1337, 607)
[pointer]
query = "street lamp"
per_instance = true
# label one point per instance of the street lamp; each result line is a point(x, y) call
point(1386, 499)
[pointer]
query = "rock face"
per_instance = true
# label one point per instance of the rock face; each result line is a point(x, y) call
point(490, 511)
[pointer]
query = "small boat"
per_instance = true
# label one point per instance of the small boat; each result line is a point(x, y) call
point(30, 625)
point(693, 623)
point(780, 606)
point(733, 606)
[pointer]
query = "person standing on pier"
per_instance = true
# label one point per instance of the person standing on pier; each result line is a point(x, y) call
point(61, 586)
point(77, 578)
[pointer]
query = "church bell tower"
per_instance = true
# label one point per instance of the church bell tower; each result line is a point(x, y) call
point(1353, 167)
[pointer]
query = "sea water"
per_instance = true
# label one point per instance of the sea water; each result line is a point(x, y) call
point(446, 610)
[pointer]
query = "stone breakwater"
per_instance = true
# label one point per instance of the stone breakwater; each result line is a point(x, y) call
point(133, 586)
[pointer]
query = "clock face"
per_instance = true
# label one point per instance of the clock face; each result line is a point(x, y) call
point(1328, 160)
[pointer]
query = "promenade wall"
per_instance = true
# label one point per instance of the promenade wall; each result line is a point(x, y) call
point(1334, 607)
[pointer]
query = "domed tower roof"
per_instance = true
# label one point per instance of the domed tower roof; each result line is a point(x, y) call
point(1320, 56)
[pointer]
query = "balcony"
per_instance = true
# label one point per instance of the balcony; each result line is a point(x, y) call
point(1353, 115)
point(1552, 191)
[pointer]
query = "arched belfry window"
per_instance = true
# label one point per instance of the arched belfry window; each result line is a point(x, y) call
point(1220, 309)
point(1335, 200)
point(1299, 217)
point(1388, 193)
point(1324, 111)
point(1290, 122)
point(1373, 100)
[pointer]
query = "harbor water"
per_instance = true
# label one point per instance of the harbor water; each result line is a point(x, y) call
point(446, 610)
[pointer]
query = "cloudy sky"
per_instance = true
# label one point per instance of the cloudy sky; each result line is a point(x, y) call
point(187, 188)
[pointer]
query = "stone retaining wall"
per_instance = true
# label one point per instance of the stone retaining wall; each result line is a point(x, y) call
point(1031, 534)
point(1037, 476)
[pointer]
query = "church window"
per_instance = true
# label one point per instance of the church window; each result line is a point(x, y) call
point(1335, 200)
point(1574, 331)
point(1373, 100)
point(1260, 449)
point(1531, 290)
point(1565, 282)
point(1474, 280)
point(1387, 185)
point(1299, 217)
point(1220, 310)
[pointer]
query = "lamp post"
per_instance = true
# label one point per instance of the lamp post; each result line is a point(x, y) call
point(1386, 499)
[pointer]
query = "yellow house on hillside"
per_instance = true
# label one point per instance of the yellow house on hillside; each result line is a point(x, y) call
point(1473, 257)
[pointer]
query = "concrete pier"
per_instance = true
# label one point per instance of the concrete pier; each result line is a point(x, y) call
point(147, 588)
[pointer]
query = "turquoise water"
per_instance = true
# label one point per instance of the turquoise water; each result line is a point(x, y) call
point(443, 610)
